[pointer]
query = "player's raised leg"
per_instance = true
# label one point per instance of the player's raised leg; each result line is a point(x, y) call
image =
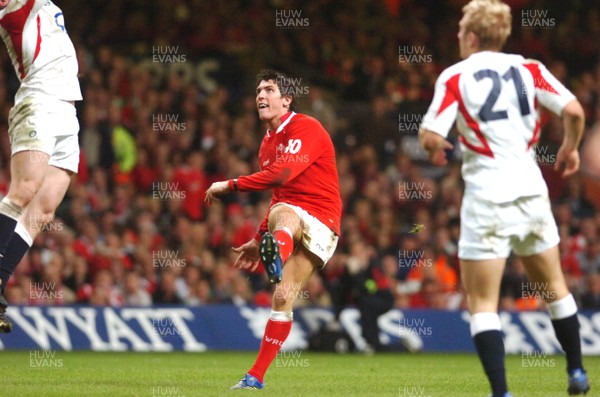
point(299, 267)
point(545, 273)
point(481, 279)
point(277, 246)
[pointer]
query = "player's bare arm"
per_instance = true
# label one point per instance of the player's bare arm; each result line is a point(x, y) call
point(215, 190)
point(573, 122)
point(435, 145)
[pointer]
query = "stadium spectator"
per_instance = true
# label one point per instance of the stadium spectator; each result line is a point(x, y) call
point(166, 291)
point(133, 293)
point(364, 285)
point(591, 298)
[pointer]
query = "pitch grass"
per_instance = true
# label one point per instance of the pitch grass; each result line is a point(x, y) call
point(309, 374)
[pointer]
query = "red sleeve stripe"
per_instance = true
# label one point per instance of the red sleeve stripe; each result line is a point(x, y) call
point(38, 43)
point(452, 85)
point(449, 97)
point(14, 22)
point(538, 80)
point(536, 131)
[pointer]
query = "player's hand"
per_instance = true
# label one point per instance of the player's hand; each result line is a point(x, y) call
point(435, 145)
point(569, 158)
point(248, 258)
point(438, 157)
point(215, 190)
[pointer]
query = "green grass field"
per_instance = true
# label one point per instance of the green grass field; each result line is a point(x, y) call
point(307, 374)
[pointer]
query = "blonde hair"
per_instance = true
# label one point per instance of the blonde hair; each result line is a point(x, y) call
point(490, 20)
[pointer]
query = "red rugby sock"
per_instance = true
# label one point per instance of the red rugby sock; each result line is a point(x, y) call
point(285, 242)
point(276, 333)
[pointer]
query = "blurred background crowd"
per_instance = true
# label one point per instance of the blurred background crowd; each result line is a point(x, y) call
point(169, 108)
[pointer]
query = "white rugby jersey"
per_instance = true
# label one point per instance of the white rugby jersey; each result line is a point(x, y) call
point(495, 99)
point(40, 49)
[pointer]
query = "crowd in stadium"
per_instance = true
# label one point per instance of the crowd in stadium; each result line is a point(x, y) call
point(134, 230)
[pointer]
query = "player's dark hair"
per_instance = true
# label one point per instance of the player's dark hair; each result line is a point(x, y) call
point(283, 82)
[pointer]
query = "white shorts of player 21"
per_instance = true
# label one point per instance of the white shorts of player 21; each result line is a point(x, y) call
point(491, 230)
point(48, 125)
point(316, 237)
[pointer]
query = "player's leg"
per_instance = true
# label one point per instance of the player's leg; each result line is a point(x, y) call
point(28, 169)
point(277, 245)
point(483, 248)
point(31, 147)
point(38, 212)
point(481, 279)
point(538, 250)
point(39, 180)
point(315, 245)
point(298, 269)
point(545, 273)
point(36, 215)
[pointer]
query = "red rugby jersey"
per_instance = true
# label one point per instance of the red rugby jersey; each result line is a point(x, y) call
point(298, 162)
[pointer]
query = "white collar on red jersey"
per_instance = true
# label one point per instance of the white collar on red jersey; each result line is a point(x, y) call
point(282, 126)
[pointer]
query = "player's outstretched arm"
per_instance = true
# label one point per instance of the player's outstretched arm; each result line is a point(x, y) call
point(435, 145)
point(248, 255)
point(573, 119)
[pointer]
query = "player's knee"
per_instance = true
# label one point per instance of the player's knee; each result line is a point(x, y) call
point(284, 217)
point(21, 193)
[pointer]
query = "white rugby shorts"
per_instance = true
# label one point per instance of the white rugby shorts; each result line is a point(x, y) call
point(48, 125)
point(490, 230)
point(316, 237)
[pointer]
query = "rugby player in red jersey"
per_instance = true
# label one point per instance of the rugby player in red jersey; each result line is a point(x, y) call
point(301, 229)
